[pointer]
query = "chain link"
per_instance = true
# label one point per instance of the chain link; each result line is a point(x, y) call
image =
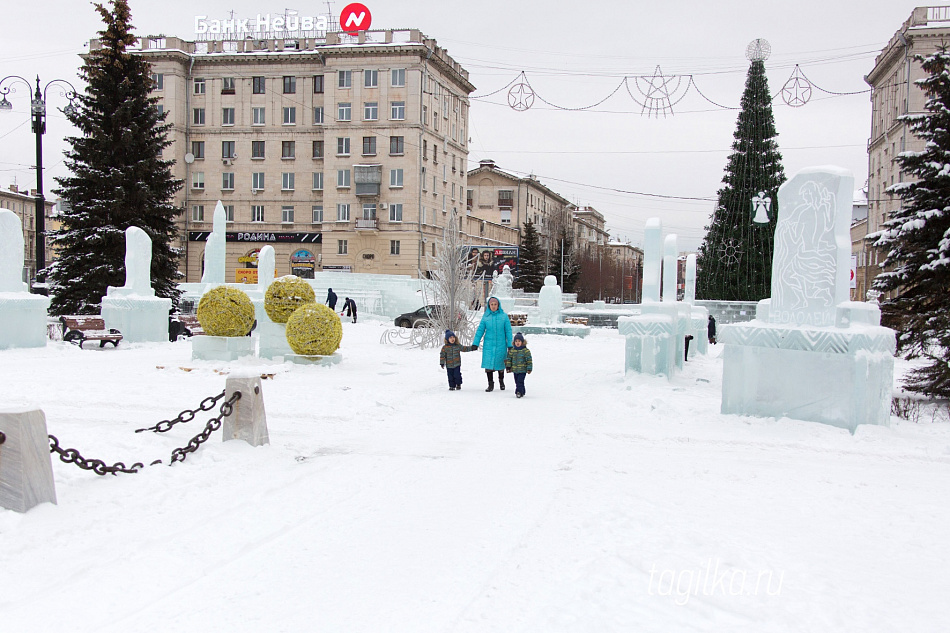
point(227, 408)
point(72, 456)
point(3, 438)
point(185, 416)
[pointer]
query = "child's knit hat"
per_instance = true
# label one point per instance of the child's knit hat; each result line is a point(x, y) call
point(449, 334)
point(520, 337)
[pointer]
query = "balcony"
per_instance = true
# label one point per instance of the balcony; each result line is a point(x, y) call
point(368, 179)
point(364, 224)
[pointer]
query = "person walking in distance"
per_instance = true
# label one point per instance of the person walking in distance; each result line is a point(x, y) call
point(331, 299)
point(711, 330)
point(495, 328)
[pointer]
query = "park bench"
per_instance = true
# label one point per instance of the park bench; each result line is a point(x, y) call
point(79, 329)
point(184, 325)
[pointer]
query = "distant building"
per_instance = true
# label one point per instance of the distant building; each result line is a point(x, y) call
point(630, 259)
point(859, 245)
point(893, 94)
point(23, 203)
point(589, 232)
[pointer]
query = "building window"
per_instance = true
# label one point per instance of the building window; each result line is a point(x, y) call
point(342, 178)
point(257, 85)
point(370, 78)
point(395, 178)
point(227, 86)
point(505, 198)
point(370, 111)
point(396, 145)
point(227, 180)
point(369, 146)
point(369, 211)
point(287, 214)
point(227, 149)
point(318, 116)
point(344, 78)
point(198, 149)
point(290, 116)
point(290, 85)
point(198, 116)
point(257, 212)
point(197, 180)
point(257, 149)
point(398, 77)
point(395, 212)
point(317, 217)
point(288, 149)
point(200, 86)
point(393, 247)
point(227, 116)
point(229, 213)
point(318, 149)
point(469, 195)
point(343, 112)
point(318, 84)
point(258, 117)
point(424, 179)
point(398, 110)
point(287, 181)
point(506, 218)
point(318, 181)
point(197, 213)
point(161, 110)
point(425, 150)
point(341, 247)
point(425, 115)
point(158, 81)
point(257, 181)
point(343, 146)
point(342, 212)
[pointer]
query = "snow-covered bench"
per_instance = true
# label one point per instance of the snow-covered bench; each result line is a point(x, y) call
point(79, 329)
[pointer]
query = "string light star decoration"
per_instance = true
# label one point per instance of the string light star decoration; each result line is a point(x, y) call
point(761, 205)
point(797, 90)
point(758, 50)
point(660, 93)
point(521, 97)
point(729, 252)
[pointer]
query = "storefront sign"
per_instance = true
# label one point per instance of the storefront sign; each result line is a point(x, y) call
point(289, 24)
point(485, 260)
point(303, 264)
point(355, 17)
point(265, 236)
point(338, 269)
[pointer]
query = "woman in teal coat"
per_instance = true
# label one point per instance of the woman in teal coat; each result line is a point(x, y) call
point(496, 329)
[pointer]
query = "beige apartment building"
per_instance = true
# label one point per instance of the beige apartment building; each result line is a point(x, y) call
point(893, 94)
point(23, 203)
point(589, 232)
point(343, 152)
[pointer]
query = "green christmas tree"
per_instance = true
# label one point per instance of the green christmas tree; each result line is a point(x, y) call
point(735, 258)
point(530, 260)
point(918, 251)
point(119, 178)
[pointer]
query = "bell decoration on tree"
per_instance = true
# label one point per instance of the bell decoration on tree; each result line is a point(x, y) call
point(761, 205)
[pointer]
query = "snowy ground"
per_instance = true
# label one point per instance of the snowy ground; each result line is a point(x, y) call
point(387, 503)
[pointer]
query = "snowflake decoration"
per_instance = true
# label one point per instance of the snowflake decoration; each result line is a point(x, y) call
point(797, 90)
point(521, 97)
point(729, 252)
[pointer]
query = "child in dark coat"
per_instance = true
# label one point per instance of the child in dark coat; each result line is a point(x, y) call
point(450, 358)
point(518, 362)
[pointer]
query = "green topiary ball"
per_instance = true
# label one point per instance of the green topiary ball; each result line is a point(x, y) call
point(225, 311)
point(286, 295)
point(314, 330)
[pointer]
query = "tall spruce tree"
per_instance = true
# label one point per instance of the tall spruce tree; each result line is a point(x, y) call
point(916, 238)
point(735, 258)
point(119, 178)
point(530, 260)
point(564, 264)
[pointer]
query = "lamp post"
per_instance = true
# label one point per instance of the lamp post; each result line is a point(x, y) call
point(38, 113)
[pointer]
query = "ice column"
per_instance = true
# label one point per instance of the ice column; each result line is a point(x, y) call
point(698, 315)
point(216, 248)
point(22, 315)
point(133, 309)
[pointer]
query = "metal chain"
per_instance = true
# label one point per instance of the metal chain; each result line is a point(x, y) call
point(3, 438)
point(72, 456)
point(185, 416)
point(227, 408)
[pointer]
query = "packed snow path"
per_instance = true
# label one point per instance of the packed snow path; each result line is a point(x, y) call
point(386, 502)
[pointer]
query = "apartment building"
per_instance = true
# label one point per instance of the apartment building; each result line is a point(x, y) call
point(343, 152)
point(589, 232)
point(23, 203)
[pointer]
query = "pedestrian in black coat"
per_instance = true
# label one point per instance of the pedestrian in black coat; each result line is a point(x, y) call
point(331, 299)
point(349, 307)
point(711, 329)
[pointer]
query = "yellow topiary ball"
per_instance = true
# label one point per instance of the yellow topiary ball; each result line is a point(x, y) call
point(314, 330)
point(285, 295)
point(225, 311)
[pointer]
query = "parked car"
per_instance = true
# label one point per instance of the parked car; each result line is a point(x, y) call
point(417, 318)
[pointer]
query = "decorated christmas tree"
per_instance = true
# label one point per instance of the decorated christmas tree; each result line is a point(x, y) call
point(735, 258)
point(119, 178)
point(916, 239)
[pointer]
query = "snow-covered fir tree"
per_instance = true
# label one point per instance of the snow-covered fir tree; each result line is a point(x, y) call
point(917, 238)
point(735, 259)
point(530, 260)
point(119, 178)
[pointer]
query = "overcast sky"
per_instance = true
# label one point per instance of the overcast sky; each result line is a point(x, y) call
point(574, 55)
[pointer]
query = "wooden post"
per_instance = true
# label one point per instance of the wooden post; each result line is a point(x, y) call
point(248, 422)
point(26, 469)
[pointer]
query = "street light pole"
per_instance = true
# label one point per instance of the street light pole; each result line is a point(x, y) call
point(38, 114)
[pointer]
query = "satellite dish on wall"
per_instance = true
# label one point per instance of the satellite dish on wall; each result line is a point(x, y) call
point(189, 158)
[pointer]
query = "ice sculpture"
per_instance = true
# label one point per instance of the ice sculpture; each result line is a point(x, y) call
point(811, 354)
point(550, 301)
point(501, 288)
point(273, 336)
point(216, 248)
point(22, 314)
point(698, 316)
point(133, 309)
